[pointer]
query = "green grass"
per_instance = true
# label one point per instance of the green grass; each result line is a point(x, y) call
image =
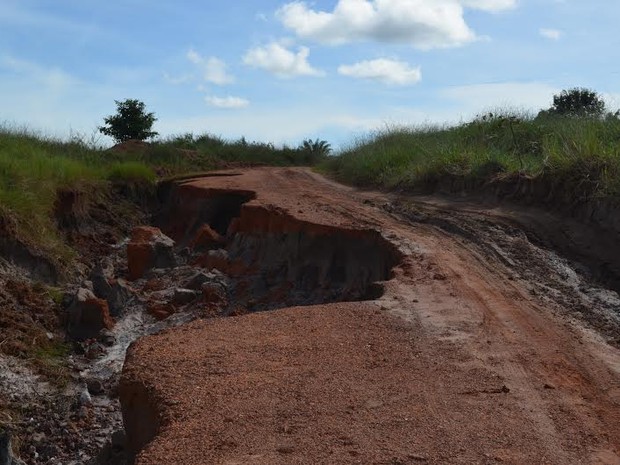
point(575, 153)
point(131, 172)
point(34, 168)
point(50, 360)
point(241, 151)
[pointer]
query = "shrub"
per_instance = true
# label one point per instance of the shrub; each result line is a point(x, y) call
point(578, 102)
point(131, 121)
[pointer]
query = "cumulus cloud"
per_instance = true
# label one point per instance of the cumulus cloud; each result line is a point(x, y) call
point(424, 24)
point(490, 5)
point(384, 70)
point(213, 69)
point(227, 102)
point(552, 34)
point(280, 61)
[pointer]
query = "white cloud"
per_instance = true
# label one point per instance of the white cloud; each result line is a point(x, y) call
point(51, 100)
point(227, 102)
point(176, 80)
point(54, 79)
point(285, 124)
point(490, 5)
point(424, 24)
point(214, 70)
point(275, 124)
point(505, 95)
point(282, 62)
point(383, 70)
point(553, 34)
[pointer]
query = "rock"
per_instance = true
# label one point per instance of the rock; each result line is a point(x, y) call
point(49, 451)
point(38, 437)
point(184, 296)
point(67, 300)
point(233, 227)
point(84, 396)
point(149, 248)
point(196, 281)
point(156, 273)
point(154, 284)
point(117, 293)
point(206, 239)
point(107, 338)
point(87, 316)
point(95, 387)
point(120, 295)
point(214, 293)
point(160, 310)
point(220, 261)
point(101, 286)
point(6, 451)
point(94, 351)
point(83, 413)
point(119, 439)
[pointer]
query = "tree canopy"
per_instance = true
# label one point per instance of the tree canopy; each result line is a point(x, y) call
point(578, 102)
point(131, 121)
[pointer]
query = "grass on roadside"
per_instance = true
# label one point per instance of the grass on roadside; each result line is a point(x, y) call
point(578, 153)
point(34, 168)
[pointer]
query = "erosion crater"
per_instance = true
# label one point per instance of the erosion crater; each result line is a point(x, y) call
point(273, 259)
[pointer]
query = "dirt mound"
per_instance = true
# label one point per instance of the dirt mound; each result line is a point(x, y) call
point(131, 146)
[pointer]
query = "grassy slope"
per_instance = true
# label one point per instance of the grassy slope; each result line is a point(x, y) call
point(582, 155)
point(34, 168)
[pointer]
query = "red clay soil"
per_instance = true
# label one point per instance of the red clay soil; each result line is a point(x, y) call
point(456, 364)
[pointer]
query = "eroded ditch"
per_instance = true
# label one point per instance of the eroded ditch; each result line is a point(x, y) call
point(274, 259)
point(230, 256)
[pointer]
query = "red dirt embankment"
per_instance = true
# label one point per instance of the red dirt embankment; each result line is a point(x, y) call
point(459, 362)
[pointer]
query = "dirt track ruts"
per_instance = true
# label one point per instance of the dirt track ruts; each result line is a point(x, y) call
point(460, 362)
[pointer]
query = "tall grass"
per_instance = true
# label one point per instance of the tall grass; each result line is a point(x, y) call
point(33, 168)
point(580, 151)
point(241, 151)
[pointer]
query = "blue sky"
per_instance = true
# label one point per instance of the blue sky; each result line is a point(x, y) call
point(281, 71)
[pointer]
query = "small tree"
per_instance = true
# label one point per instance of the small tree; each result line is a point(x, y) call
point(314, 151)
point(578, 102)
point(317, 148)
point(131, 121)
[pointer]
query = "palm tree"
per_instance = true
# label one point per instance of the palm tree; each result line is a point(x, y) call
point(315, 149)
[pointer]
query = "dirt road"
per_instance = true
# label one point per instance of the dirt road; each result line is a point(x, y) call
point(484, 348)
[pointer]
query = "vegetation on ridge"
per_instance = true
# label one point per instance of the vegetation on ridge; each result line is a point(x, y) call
point(34, 168)
point(131, 121)
point(575, 145)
